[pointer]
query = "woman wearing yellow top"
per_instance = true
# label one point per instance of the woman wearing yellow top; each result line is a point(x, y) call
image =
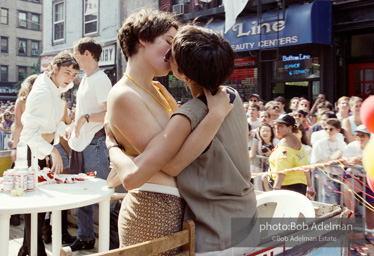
point(289, 154)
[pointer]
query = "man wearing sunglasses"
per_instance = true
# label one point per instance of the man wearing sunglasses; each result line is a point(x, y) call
point(325, 150)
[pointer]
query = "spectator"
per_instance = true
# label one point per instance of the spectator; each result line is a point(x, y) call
point(273, 109)
point(252, 149)
point(328, 149)
point(320, 99)
point(294, 103)
point(289, 153)
point(343, 108)
point(261, 103)
point(267, 140)
point(254, 99)
point(300, 118)
point(264, 117)
point(253, 112)
point(315, 136)
point(304, 105)
point(7, 120)
point(351, 123)
point(300, 133)
point(322, 107)
point(281, 102)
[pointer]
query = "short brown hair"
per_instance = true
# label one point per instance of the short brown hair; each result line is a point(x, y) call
point(325, 104)
point(146, 25)
point(63, 59)
point(203, 55)
point(334, 122)
point(254, 105)
point(91, 45)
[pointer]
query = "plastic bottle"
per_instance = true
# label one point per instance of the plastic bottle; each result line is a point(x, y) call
point(21, 161)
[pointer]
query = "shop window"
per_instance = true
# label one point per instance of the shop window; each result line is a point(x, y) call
point(58, 21)
point(4, 16)
point(4, 44)
point(22, 47)
point(4, 73)
point(35, 21)
point(296, 67)
point(91, 10)
point(34, 48)
point(361, 79)
point(362, 45)
point(244, 76)
point(22, 71)
point(22, 19)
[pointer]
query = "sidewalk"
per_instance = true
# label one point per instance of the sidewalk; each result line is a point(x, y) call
point(16, 238)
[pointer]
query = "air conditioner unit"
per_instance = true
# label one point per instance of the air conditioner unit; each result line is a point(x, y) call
point(180, 9)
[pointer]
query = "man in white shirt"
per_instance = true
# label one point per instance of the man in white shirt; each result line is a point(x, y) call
point(321, 134)
point(87, 135)
point(253, 111)
point(324, 150)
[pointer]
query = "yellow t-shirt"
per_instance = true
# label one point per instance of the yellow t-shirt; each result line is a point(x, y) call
point(286, 158)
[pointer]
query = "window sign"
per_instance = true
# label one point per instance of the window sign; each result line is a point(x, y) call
point(300, 66)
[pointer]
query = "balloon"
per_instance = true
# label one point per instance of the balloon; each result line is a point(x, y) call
point(368, 158)
point(367, 113)
point(370, 181)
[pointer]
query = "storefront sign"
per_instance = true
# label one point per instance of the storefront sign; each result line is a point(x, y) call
point(302, 24)
point(108, 56)
point(44, 62)
point(245, 62)
point(297, 57)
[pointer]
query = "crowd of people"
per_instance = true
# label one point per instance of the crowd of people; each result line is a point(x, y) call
point(150, 140)
point(325, 132)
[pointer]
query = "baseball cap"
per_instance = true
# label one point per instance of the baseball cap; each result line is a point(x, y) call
point(254, 95)
point(362, 128)
point(285, 119)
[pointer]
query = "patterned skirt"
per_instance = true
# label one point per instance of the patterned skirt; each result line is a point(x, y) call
point(148, 215)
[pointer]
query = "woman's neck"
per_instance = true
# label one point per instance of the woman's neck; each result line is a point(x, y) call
point(141, 74)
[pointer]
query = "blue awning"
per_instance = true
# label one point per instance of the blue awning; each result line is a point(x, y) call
point(303, 24)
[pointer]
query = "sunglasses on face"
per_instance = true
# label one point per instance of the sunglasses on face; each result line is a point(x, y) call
point(275, 107)
point(362, 136)
point(304, 104)
point(167, 55)
point(329, 129)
